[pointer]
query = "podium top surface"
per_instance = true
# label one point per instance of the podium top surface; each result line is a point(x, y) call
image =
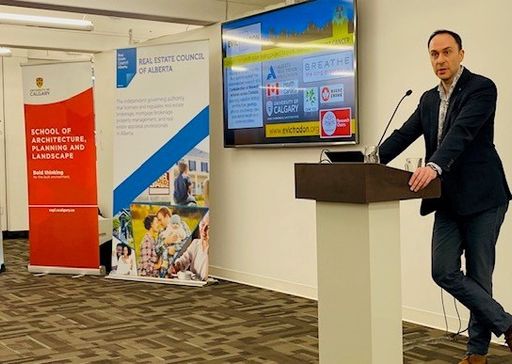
point(357, 183)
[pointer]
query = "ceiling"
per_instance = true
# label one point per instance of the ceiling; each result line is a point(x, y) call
point(117, 23)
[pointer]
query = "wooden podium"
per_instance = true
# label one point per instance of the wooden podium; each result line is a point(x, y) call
point(358, 255)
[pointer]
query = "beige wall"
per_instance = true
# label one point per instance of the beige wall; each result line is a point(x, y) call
point(261, 234)
point(16, 165)
point(393, 59)
point(3, 193)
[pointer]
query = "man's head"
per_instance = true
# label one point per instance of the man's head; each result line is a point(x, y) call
point(119, 249)
point(182, 166)
point(446, 54)
point(164, 216)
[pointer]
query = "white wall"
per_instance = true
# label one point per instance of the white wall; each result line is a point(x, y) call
point(3, 193)
point(261, 234)
point(394, 58)
point(16, 165)
point(104, 81)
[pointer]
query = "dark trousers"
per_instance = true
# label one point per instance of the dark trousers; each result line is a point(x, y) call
point(474, 236)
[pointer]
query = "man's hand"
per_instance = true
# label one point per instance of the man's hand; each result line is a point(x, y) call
point(421, 178)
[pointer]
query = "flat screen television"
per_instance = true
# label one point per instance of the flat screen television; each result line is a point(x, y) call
point(289, 76)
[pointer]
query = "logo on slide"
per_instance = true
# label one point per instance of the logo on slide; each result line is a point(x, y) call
point(270, 107)
point(326, 94)
point(335, 123)
point(272, 89)
point(271, 74)
point(332, 93)
point(329, 123)
point(311, 99)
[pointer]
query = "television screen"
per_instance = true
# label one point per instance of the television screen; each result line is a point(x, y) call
point(289, 76)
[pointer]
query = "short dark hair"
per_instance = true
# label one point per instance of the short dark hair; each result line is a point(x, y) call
point(454, 35)
point(148, 221)
point(182, 166)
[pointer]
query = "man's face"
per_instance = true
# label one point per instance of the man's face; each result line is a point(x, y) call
point(445, 56)
point(163, 220)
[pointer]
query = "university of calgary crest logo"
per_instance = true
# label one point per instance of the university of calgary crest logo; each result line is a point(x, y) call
point(39, 90)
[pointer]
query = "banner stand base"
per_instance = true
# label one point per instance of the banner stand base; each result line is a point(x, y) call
point(2, 268)
point(100, 271)
point(178, 282)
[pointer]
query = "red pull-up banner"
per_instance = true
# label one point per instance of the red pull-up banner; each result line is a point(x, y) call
point(61, 165)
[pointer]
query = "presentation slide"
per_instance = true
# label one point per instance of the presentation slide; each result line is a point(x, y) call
point(289, 76)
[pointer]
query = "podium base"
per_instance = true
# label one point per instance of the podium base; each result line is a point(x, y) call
point(359, 290)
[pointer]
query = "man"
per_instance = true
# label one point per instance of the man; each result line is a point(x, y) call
point(183, 186)
point(456, 120)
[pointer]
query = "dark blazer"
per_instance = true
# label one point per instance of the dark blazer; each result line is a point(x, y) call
point(473, 179)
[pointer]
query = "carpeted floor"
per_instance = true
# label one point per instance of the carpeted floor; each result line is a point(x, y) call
point(60, 319)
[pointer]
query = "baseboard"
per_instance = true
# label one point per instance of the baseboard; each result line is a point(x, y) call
point(22, 234)
point(436, 320)
point(292, 288)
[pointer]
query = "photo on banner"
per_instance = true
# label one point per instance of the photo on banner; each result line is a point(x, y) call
point(168, 242)
point(161, 160)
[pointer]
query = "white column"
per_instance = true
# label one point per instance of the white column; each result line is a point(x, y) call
point(3, 178)
point(359, 290)
point(1, 253)
point(15, 153)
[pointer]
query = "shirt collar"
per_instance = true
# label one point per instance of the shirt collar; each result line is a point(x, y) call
point(440, 88)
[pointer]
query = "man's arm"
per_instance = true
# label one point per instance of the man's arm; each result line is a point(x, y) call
point(185, 260)
point(401, 138)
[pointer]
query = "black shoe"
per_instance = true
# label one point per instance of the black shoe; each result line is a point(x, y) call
point(508, 337)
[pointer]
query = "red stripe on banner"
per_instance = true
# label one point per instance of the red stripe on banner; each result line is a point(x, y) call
point(61, 164)
point(64, 237)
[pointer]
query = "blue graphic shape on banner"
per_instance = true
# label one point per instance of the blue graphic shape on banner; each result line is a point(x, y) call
point(126, 66)
point(160, 162)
